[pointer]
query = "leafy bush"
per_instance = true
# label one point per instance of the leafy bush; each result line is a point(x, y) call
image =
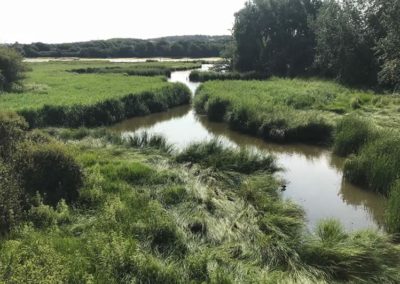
point(11, 68)
point(12, 130)
point(50, 170)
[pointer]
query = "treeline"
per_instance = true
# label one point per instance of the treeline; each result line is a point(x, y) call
point(184, 46)
point(355, 42)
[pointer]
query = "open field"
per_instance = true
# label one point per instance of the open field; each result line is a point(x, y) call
point(52, 94)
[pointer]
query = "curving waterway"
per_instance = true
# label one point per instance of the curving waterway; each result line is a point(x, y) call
point(313, 174)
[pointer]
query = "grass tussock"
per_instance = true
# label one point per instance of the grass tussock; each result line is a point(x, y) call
point(215, 155)
point(377, 164)
point(351, 134)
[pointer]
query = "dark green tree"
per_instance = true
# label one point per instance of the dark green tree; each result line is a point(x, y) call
point(274, 37)
point(12, 68)
point(345, 45)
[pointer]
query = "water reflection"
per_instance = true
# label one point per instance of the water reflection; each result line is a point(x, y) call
point(314, 176)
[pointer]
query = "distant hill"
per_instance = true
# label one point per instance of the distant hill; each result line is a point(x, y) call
point(173, 46)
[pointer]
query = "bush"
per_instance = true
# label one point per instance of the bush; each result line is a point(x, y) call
point(12, 68)
point(12, 130)
point(50, 170)
point(351, 134)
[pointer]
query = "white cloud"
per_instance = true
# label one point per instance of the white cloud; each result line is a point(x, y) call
point(78, 20)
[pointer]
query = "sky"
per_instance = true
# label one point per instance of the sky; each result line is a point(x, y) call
point(57, 21)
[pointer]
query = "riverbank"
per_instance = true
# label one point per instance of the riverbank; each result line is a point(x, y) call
point(207, 214)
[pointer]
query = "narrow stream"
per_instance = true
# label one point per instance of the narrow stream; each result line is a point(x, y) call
point(313, 174)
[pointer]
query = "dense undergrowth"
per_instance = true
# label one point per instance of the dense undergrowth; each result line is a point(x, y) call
point(146, 214)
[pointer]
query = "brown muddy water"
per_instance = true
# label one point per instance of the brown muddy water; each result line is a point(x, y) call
point(314, 176)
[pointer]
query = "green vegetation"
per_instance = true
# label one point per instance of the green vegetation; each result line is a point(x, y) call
point(11, 69)
point(140, 69)
point(279, 109)
point(203, 76)
point(174, 46)
point(91, 99)
point(147, 215)
point(354, 42)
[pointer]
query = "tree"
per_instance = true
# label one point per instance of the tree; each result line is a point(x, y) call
point(388, 47)
point(12, 68)
point(345, 45)
point(274, 36)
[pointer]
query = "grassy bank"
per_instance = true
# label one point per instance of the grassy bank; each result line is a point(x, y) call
point(54, 96)
point(209, 214)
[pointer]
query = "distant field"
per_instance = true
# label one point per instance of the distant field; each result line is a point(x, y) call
point(53, 95)
point(51, 84)
point(291, 109)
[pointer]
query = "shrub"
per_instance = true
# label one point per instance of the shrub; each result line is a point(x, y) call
point(351, 134)
point(12, 68)
point(12, 130)
point(50, 170)
point(203, 76)
point(10, 200)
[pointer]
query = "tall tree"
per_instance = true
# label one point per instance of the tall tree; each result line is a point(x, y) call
point(345, 46)
point(274, 36)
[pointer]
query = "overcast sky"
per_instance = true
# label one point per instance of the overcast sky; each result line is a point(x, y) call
point(56, 21)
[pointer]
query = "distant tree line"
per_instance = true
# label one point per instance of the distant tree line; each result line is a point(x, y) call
point(179, 46)
point(356, 42)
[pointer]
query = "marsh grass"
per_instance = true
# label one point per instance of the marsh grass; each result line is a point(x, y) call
point(215, 155)
point(142, 217)
point(351, 134)
point(204, 76)
point(377, 164)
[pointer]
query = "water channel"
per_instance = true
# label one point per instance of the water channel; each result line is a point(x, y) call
point(314, 175)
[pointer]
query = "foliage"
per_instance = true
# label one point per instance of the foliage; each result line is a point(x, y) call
point(11, 68)
point(184, 46)
point(50, 170)
point(274, 37)
point(351, 58)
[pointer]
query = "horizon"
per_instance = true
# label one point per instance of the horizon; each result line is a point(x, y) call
point(77, 21)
